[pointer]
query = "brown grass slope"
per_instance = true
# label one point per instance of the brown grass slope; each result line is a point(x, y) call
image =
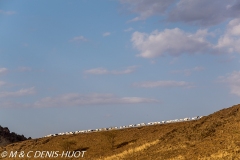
point(213, 137)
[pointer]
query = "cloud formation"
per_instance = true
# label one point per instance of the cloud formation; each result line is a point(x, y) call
point(79, 39)
point(146, 8)
point(3, 70)
point(7, 12)
point(176, 41)
point(24, 69)
point(170, 41)
point(11, 104)
point(233, 80)
point(198, 12)
point(101, 71)
point(154, 84)
point(76, 99)
point(21, 92)
point(204, 12)
point(106, 34)
point(231, 39)
point(188, 72)
point(128, 30)
point(2, 83)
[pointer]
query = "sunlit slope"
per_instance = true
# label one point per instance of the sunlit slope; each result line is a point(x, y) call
point(216, 136)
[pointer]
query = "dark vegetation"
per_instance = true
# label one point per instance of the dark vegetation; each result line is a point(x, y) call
point(7, 137)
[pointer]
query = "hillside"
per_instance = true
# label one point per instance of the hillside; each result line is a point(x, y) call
point(213, 137)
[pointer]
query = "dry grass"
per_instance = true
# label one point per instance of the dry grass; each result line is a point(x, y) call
point(214, 137)
point(131, 151)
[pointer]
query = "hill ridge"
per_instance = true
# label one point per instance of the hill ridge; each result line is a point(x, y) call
point(213, 137)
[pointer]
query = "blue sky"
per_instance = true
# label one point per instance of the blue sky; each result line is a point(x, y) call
point(75, 65)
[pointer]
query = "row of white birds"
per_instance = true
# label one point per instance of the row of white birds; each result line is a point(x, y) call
point(128, 126)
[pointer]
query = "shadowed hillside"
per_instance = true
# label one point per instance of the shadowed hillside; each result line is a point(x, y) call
point(213, 137)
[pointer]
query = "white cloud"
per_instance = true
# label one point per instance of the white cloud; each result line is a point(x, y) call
point(204, 12)
point(25, 45)
point(11, 104)
point(7, 12)
point(200, 12)
point(22, 92)
point(24, 69)
point(188, 72)
point(128, 30)
point(2, 83)
point(76, 99)
point(230, 41)
point(106, 34)
point(146, 8)
point(100, 71)
point(170, 41)
point(97, 71)
point(3, 70)
point(233, 80)
point(176, 42)
point(154, 84)
point(79, 39)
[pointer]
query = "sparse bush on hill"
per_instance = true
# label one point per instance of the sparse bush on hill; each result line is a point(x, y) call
point(110, 137)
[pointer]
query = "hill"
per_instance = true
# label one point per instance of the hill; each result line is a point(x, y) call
point(7, 137)
point(213, 137)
